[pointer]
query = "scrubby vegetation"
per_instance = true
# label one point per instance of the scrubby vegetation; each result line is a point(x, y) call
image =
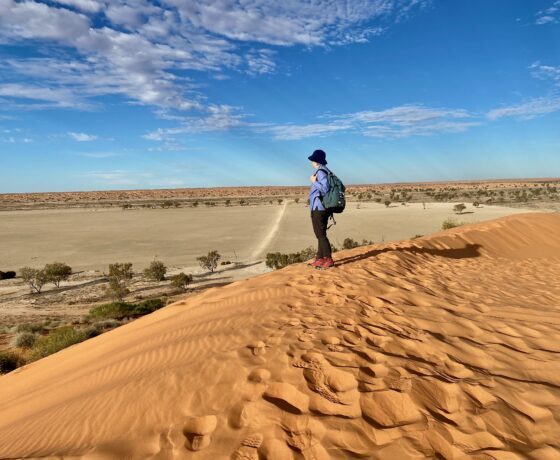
point(55, 341)
point(209, 261)
point(24, 340)
point(350, 243)
point(156, 271)
point(120, 275)
point(182, 281)
point(57, 272)
point(277, 260)
point(10, 361)
point(459, 208)
point(34, 277)
point(122, 310)
point(450, 223)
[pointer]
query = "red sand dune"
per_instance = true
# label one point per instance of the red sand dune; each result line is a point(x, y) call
point(446, 346)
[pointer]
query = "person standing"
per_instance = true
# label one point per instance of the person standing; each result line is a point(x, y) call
point(320, 215)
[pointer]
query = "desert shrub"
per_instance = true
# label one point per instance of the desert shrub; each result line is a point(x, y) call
point(387, 203)
point(121, 310)
point(34, 277)
point(476, 204)
point(106, 324)
point(7, 275)
point(225, 262)
point(459, 208)
point(29, 327)
point(280, 200)
point(296, 200)
point(167, 204)
point(24, 340)
point(450, 223)
point(277, 260)
point(156, 271)
point(349, 243)
point(56, 340)
point(210, 260)
point(126, 206)
point(228, 202)
point(195, 204)
point(181, 281)
point(119, 276)
point(10, 361)
point(57, 272)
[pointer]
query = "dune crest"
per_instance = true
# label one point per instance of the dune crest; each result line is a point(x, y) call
point(444, 346)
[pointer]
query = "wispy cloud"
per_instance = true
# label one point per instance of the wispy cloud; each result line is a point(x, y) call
point(396, 122)
point(532, 108)
point(549, 15)
point(82, 137)
point(97, 154)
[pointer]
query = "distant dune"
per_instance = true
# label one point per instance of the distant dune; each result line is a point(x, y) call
point(442, 347)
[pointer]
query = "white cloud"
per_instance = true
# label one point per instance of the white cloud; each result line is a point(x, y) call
point(545, 72)
point(396, 122)
point(549, 15)
point(141, 50)
point(82, 137)
point(527, 110)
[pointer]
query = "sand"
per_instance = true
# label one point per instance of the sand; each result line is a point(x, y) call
point(91, 239)
point(442, 347)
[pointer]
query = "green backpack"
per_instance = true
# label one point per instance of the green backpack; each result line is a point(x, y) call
point(334, 200)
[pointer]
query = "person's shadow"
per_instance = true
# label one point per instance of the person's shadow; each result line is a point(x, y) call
point(469, 251)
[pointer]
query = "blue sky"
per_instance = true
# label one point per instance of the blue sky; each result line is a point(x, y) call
point(98, 94)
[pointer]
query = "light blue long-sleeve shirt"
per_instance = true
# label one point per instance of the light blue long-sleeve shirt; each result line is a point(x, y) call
point(318, 189)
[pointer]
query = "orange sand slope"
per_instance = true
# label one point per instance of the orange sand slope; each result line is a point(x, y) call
point(445, 347)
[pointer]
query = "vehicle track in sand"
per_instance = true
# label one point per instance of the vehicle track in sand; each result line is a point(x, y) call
point(267, 239)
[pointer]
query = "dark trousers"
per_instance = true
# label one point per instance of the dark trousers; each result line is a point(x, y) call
point(320, 221)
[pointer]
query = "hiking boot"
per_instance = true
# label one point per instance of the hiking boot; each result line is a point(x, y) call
point(317, 263)
point(327, 263)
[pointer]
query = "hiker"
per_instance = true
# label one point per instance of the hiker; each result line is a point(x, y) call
point(320, 215)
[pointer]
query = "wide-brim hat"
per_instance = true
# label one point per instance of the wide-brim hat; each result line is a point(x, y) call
point(318, 156)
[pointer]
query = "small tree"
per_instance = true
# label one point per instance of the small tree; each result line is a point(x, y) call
point(57, 272)
point(181, 281)
point(387, 203)
point(156, 271)
point(209, 261)
point(35, 278)
point(459, 208)
point(280, 200)
point(119, 276)
point(476, 204)
point(296, 200)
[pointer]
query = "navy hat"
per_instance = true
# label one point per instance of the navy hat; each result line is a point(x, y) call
point(318, 156)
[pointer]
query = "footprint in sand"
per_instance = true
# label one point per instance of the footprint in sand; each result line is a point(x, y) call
point(332, 384)
point(248, 449)
point(258, 347)
point(198, 431)
point(305, 434)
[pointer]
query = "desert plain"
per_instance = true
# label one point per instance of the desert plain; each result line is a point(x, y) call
point(422, 343)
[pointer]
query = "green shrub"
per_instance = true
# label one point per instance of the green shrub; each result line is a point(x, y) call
point(459, 208)
point(57, 272)
point(349, 243)
point(30, 327)
point(121, 310)
point(182, 280)
point(120, 275)
point(35, 278)
point(57, 340)
point(450, 223)
point(277, 260)
point(156, 271)
point(24, 340)
point(10, 361)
